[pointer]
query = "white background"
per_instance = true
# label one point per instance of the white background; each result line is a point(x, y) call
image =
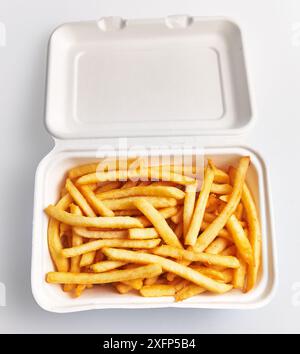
point(272, 39)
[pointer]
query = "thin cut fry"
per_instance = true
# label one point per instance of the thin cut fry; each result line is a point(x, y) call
point(188, 207)
point(197, 218)
point(239, 275)
point(211, 232)
point(142, 234)
point(221, 188)
point(188, 291)
point(240, 239)
point(117, 222)
point(218, 245)
point(166, 213)
point(107, 186)
point(83, 232)
point(160, 224)
point(96, 245)
point(178, 217)
point(79, 199)
point(157, 290)
point(54, 240)
point(87, 259)
point(129, 202)
point(152, 191)
point(96, 204)
point(123, 288)
point(169, 266)
point(123, 175)
point(147, 271)
point(213, 259)
point(105, 266)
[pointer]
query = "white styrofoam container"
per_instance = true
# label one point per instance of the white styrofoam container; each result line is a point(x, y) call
point(178, 76)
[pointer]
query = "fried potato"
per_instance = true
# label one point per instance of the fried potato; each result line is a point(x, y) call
point(147, 271)
point(169, 266)
point(188, 206)
point(211, 232)
point(129, 202)
point(142, 234)
point(157, 290)
point(105, 266)
point(195, 225)
point(98, 244)
point(160, 224)
point(118, 222)
point(84, 232)
point(99, 207)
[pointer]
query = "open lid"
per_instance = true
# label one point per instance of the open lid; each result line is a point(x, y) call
point(174, 76)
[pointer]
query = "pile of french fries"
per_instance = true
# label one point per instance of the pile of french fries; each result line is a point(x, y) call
point(168, 235)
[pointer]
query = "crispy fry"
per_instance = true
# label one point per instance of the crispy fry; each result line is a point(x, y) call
point(166, 213)
point(193, 231)
point(126, 212)
point(99, 207)
point(123, 288)
point(152, 191)
point(151, 281)
point(136, 284)
point(239, 275)
point(210, 272)
point(178, 217)
point(217, 246)
point(87, 259)
point(211, 232)
point(240, 239)
point(129, 202)
point(157, 290)
point(160, 224)
point(142, 234)
point(83, 232)
point(105, 266)
point(54, 240)
point(188, 207)
point(96, 245)
point(120, 222)
point(76, 241)
point(220, 175)
point(221, 188)
point(213, 259)
point(108, 186)
point(123, 175)
point(147, 271)
point(79, 290)
point(188, 291)
point(169, 266)
point(79, 199)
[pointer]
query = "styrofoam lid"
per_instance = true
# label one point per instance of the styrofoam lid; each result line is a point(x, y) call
point(178, 75)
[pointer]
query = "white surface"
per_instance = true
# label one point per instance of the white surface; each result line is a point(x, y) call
point(52, 298)
point(119, 77)
point(271, 31)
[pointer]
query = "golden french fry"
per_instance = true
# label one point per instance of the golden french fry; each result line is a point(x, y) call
point(210, 272)
point(123, 288)
point(96, 204)
point(136, 284)
point(195, 225)
point(54, 241)
point(239, 211)
point(240, 239)
point(220, 176)
point(213, 259)
point(76, 241)
point(239, 275)
point(79, 199)
point(254, 236)
point(152, 191)
point(79, 289)
point(108, 186)
point(188, 291)
point(166, 213)
point(129, 202)
point(79, 171)
point(84, 232)
point(179, 230)
point(211, 232)
point(169, 266)
point(160, 224)
point(123, 175)
point(98, 244)
point(221, 188)
point(103, 222)
point(87, 259)
point(157, 290)
point(105, 266)
point(147, 271)
point(188, 206)
point(142, 234)
point(128, 184)
point(126, 212)
point(222, 233)
point(178, 217)
point(229, 251)
point(218, 245)
point(151, 281)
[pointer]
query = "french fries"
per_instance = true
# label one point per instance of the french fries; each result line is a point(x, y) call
point(148, 271)
point(147, 231)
